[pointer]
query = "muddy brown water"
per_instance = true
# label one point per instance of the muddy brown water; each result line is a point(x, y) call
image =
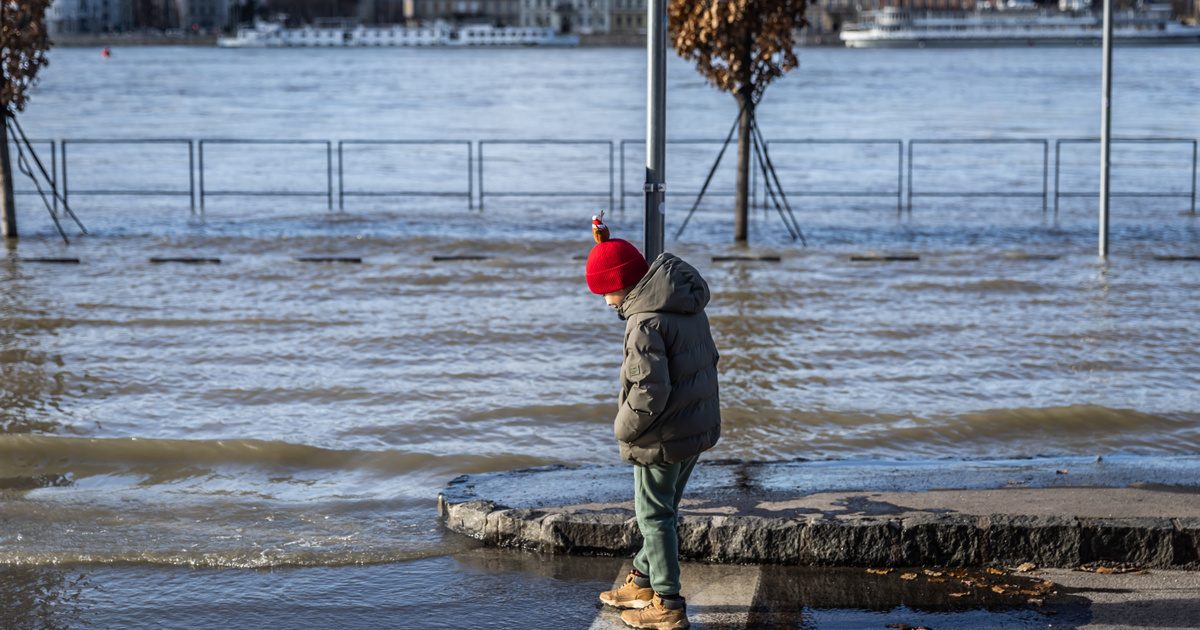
point(264, 411)
point(268, 413)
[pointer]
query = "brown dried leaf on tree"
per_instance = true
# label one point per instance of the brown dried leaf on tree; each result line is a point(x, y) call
point(25, 42)
point(738, 45)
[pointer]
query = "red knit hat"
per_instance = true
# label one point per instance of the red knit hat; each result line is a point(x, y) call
point(614, 264)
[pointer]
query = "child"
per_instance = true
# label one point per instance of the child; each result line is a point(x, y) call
point(669, 411)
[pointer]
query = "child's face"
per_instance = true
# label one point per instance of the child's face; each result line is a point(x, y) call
point(614, 299)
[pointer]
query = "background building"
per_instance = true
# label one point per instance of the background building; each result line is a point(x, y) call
point(627, 17)
point(500, 12)
point(194, 15)
point(584, 17)
point(89, 16)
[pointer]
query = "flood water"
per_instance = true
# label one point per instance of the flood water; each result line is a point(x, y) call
point(265, 413)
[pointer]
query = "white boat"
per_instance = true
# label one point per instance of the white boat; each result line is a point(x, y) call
point(896, 28)
point(350, 35)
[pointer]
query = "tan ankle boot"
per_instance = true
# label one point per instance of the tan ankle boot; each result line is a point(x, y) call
point(630, 595)
point(657, 616)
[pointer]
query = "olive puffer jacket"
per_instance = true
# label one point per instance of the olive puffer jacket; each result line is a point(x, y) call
point(669, 405)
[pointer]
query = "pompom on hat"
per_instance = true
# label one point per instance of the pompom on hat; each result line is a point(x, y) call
point(613, 264)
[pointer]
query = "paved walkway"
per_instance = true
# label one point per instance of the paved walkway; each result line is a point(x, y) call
point(736, 597)
point(1054, 512)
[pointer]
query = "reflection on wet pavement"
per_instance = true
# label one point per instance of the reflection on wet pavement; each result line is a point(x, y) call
point(500, 589)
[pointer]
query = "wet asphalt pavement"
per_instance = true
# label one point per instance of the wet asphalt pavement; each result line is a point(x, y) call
point(512, 589)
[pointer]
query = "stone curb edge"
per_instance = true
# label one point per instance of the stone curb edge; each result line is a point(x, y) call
point(919, 540)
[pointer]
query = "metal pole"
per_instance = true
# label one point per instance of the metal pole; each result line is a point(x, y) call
point(1105, 127)
point(656, 126)
point(8, 207)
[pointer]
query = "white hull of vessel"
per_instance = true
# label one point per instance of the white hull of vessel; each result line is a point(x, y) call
point(916, 40)
point(438, 35)
point(897, 28)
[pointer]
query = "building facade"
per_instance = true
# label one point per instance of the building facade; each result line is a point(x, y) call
point(499, 12)
point(627, 17)
point(89, 16)
point(584, 17)
point(195, 15)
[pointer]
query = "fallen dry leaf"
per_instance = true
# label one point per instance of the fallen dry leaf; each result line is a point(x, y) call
point(995, 571)
point(879, 571)
point(908, 576)
point(932, 573)
point(998, 589)
point(1026, 567)
point(962, 594)
point(1036, 601)
point(1110, 568)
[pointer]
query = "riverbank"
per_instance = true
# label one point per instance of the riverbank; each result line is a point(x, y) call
point(1061, 512)
point(99, 40)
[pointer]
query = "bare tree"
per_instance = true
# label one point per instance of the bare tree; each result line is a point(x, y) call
point(23, 46)
point(740, 46)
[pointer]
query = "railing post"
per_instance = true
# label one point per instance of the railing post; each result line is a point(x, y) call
point(470, 175)
point(622, 158)
point(341, 178)
point(1057, 174)
point(1045, 174)
point(611, 176)
point(910, 176)
point(66, 194)
point(191, 178)
point(329, 174)
point(899, 177)
point(1194, 176)
point(481, 189)
point(200, 154)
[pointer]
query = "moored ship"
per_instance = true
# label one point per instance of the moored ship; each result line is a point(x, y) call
point(336, 34)
point(897, 28)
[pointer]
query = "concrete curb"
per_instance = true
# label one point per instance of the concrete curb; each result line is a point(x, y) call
point(742, 532)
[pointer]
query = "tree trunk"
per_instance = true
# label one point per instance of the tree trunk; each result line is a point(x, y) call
point(8, 209)
point(741, 208)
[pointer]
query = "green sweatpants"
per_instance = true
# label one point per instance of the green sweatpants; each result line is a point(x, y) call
point(657, 490)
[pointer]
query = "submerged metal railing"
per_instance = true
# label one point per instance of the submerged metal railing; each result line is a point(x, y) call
point(327, 193)
point(608, 144)
point(934, 176)
point(190, 192)
point(861, 193)
point(1058, 144)
point(343, 193)
point(675, 190)
point(19, 190)
point(1045, 144)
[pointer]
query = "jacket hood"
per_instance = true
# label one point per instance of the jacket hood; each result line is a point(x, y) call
point(670, 286)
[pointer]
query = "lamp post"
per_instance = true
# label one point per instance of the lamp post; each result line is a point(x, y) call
point(1105, 127)
point(656, 127)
